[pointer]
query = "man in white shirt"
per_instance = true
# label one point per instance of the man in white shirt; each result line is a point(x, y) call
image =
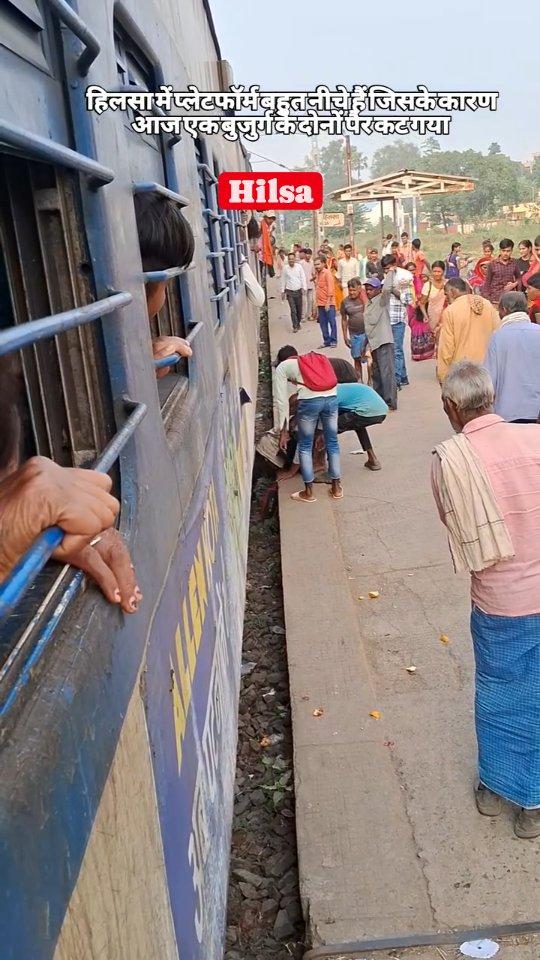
point(312, 406)
point(402, 296)
point(306, 262)
point(293, 284)
point(348, 268)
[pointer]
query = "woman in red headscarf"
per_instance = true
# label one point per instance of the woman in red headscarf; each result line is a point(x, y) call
point(478, 276)
point(533, 297)
point(535, 264)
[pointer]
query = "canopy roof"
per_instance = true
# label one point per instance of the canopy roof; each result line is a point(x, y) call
point(406, 183)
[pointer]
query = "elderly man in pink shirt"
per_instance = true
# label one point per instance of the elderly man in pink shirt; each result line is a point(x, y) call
point(486, 483)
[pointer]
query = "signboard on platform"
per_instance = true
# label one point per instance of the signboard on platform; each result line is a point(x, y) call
point(333, 219)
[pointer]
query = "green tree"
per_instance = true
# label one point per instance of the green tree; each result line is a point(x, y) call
point(493, 149)
point(396, 156)
point(430, 146)
point(535, 173)
point(498, 182)
point(330, 161)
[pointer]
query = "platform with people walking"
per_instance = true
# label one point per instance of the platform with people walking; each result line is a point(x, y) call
point(391, 844)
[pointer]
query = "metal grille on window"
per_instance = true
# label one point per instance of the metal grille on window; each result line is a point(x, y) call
point(218, 288)
point(45, 269)
point(227, 245)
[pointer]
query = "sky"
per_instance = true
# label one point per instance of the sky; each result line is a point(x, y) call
point(285, 45)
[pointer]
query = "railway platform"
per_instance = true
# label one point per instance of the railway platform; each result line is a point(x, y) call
point(390, 843)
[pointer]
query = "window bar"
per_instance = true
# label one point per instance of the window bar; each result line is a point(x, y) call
point(230, 223)
point(175, 358)
point(71, 19)
point(219, 296)
point(25, 334)
point(147, 186)
point(208, 173)
point(158, 276)
point(41, 148)
point(26, 570)
point(213, 215)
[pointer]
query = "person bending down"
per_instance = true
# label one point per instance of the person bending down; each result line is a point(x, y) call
point(359, 407)
point(312, 406)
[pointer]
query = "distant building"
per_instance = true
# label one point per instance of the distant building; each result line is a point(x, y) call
point(523, 211)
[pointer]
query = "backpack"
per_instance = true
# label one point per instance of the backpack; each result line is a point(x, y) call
point(317, 372)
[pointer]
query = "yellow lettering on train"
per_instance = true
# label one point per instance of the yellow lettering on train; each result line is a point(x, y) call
point(197, 617)
point(179, 717)
point(194, 607)
point(183, 671)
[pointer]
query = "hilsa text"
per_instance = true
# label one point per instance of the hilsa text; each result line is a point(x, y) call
point(241, 190)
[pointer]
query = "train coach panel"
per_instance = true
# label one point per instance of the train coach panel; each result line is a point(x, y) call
point(191, 690)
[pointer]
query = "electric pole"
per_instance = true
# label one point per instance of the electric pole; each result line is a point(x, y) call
point(315, 213)
point(348, 170)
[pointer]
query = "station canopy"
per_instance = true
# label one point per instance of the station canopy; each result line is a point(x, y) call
point(398, 186)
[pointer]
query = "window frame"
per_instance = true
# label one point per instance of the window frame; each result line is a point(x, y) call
point(128, 51)
point(67, 394)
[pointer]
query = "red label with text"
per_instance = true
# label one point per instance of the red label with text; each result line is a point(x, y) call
point(270, 191)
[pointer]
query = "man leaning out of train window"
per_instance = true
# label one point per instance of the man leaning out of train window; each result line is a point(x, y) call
point(166, 240)
point(38, 494)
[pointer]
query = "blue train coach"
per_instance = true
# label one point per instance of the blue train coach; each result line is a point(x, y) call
point(118, 733)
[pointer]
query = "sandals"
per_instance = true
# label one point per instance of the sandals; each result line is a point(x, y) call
point(372, 466)
point(336, 496)
point(296, 496)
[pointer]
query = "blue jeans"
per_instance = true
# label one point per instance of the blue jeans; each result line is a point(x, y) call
point(327, 322)
point(398, 331)
point(308, 414)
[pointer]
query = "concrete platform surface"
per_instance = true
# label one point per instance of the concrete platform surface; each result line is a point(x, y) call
point(389, 839)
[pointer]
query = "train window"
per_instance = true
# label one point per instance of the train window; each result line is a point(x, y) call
point(227, 245)
point(218, 289)
point(22, 30)
point(135, 69)
point(45, 267)
point(65, 406)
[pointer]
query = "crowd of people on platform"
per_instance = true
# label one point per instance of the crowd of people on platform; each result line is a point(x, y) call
point(483, 332)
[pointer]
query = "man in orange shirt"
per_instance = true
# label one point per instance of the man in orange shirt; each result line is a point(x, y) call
point(326, 302)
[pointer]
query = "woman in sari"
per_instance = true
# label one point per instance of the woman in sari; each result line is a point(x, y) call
point(422, 339)
point(433, 299)
point(478, 276)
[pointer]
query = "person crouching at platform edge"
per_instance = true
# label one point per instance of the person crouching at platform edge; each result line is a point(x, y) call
point(486, 483)
point(317, 400)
